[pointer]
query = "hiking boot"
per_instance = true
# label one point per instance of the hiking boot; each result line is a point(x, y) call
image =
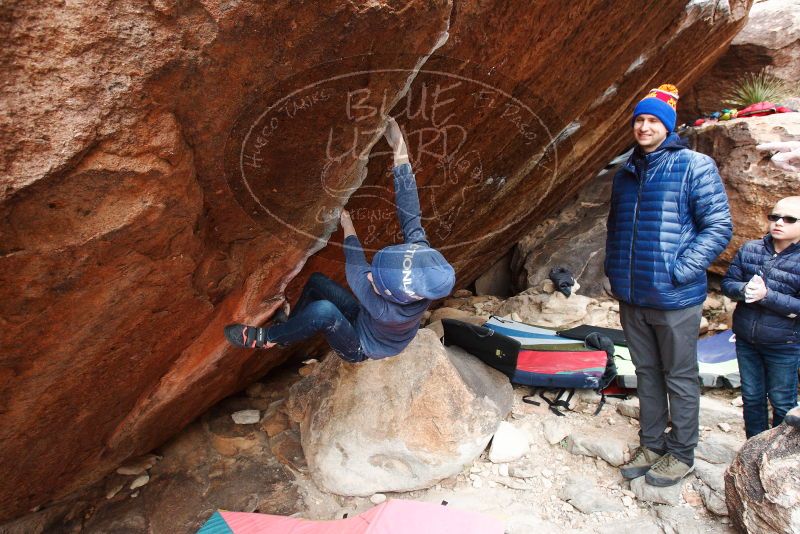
point(641, 462)
point(668, 471)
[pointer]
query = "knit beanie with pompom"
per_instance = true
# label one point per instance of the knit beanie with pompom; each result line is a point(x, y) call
point(662, 103)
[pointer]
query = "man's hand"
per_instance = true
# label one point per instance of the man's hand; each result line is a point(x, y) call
point(755, 290)
point(347, 224)
point(787, 154)
point(394, 136)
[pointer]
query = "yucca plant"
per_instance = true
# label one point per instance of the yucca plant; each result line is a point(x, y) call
point(757, 87)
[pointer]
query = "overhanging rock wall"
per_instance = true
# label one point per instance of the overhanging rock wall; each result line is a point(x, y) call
point(171, 166)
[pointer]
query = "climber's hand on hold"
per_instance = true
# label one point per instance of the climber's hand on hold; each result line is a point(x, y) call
point(394, 136)
point(347, 224)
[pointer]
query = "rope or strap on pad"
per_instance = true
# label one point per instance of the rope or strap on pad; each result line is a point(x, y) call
point(555, 404)
point(601, 403)
point(528, 399)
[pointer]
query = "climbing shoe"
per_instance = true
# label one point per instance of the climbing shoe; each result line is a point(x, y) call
point(640, 463)
point(249, 337)
point(668, 471)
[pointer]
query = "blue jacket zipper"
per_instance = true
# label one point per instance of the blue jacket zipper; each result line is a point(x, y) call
point(764, 274)
point(635, 229)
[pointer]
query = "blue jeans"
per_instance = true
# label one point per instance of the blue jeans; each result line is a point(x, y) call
point(324, 306)
point(768, 371)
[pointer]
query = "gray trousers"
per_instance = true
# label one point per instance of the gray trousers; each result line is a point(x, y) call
point(663, 347)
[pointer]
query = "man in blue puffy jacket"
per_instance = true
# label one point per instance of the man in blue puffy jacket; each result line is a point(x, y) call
point(391, 295)
point(668, 220)
point(765, 278)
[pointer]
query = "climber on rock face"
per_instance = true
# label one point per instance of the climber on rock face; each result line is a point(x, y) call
point(668, 220)
point(390, 295)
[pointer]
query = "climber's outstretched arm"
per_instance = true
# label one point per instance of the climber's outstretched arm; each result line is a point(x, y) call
point(405, 187)
point(357, 268)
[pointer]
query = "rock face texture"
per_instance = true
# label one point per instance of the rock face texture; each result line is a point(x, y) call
point(123, 245)
point(752, 182)
point(770, 39)
point(551, 309)
point(762, 485)
point(574, 238)
point(401, 423)
point(170, 167)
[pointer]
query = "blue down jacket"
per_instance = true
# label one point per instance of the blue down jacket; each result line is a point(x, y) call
point(668, 220)
point(772, 319)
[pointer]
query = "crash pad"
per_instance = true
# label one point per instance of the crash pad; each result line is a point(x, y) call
point(529, 336)
point(543, 359)
point(716, 357)
point(582, 331)
point(395, 516)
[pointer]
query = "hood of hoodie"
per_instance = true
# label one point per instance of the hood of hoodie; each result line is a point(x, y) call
point(411, 272)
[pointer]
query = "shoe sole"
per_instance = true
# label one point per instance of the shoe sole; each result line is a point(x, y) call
point(653, 480)
point(634, 472)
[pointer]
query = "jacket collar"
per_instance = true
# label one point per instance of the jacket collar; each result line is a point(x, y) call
point(771, 246)
point(672, 143)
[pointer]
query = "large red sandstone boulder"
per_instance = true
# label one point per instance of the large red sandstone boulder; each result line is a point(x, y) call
point(170, 167)
point(124, 250)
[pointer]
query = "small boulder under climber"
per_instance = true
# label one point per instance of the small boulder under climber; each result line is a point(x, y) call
point(397, 424)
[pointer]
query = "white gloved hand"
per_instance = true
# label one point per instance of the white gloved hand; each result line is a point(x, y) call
point(755, 290)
